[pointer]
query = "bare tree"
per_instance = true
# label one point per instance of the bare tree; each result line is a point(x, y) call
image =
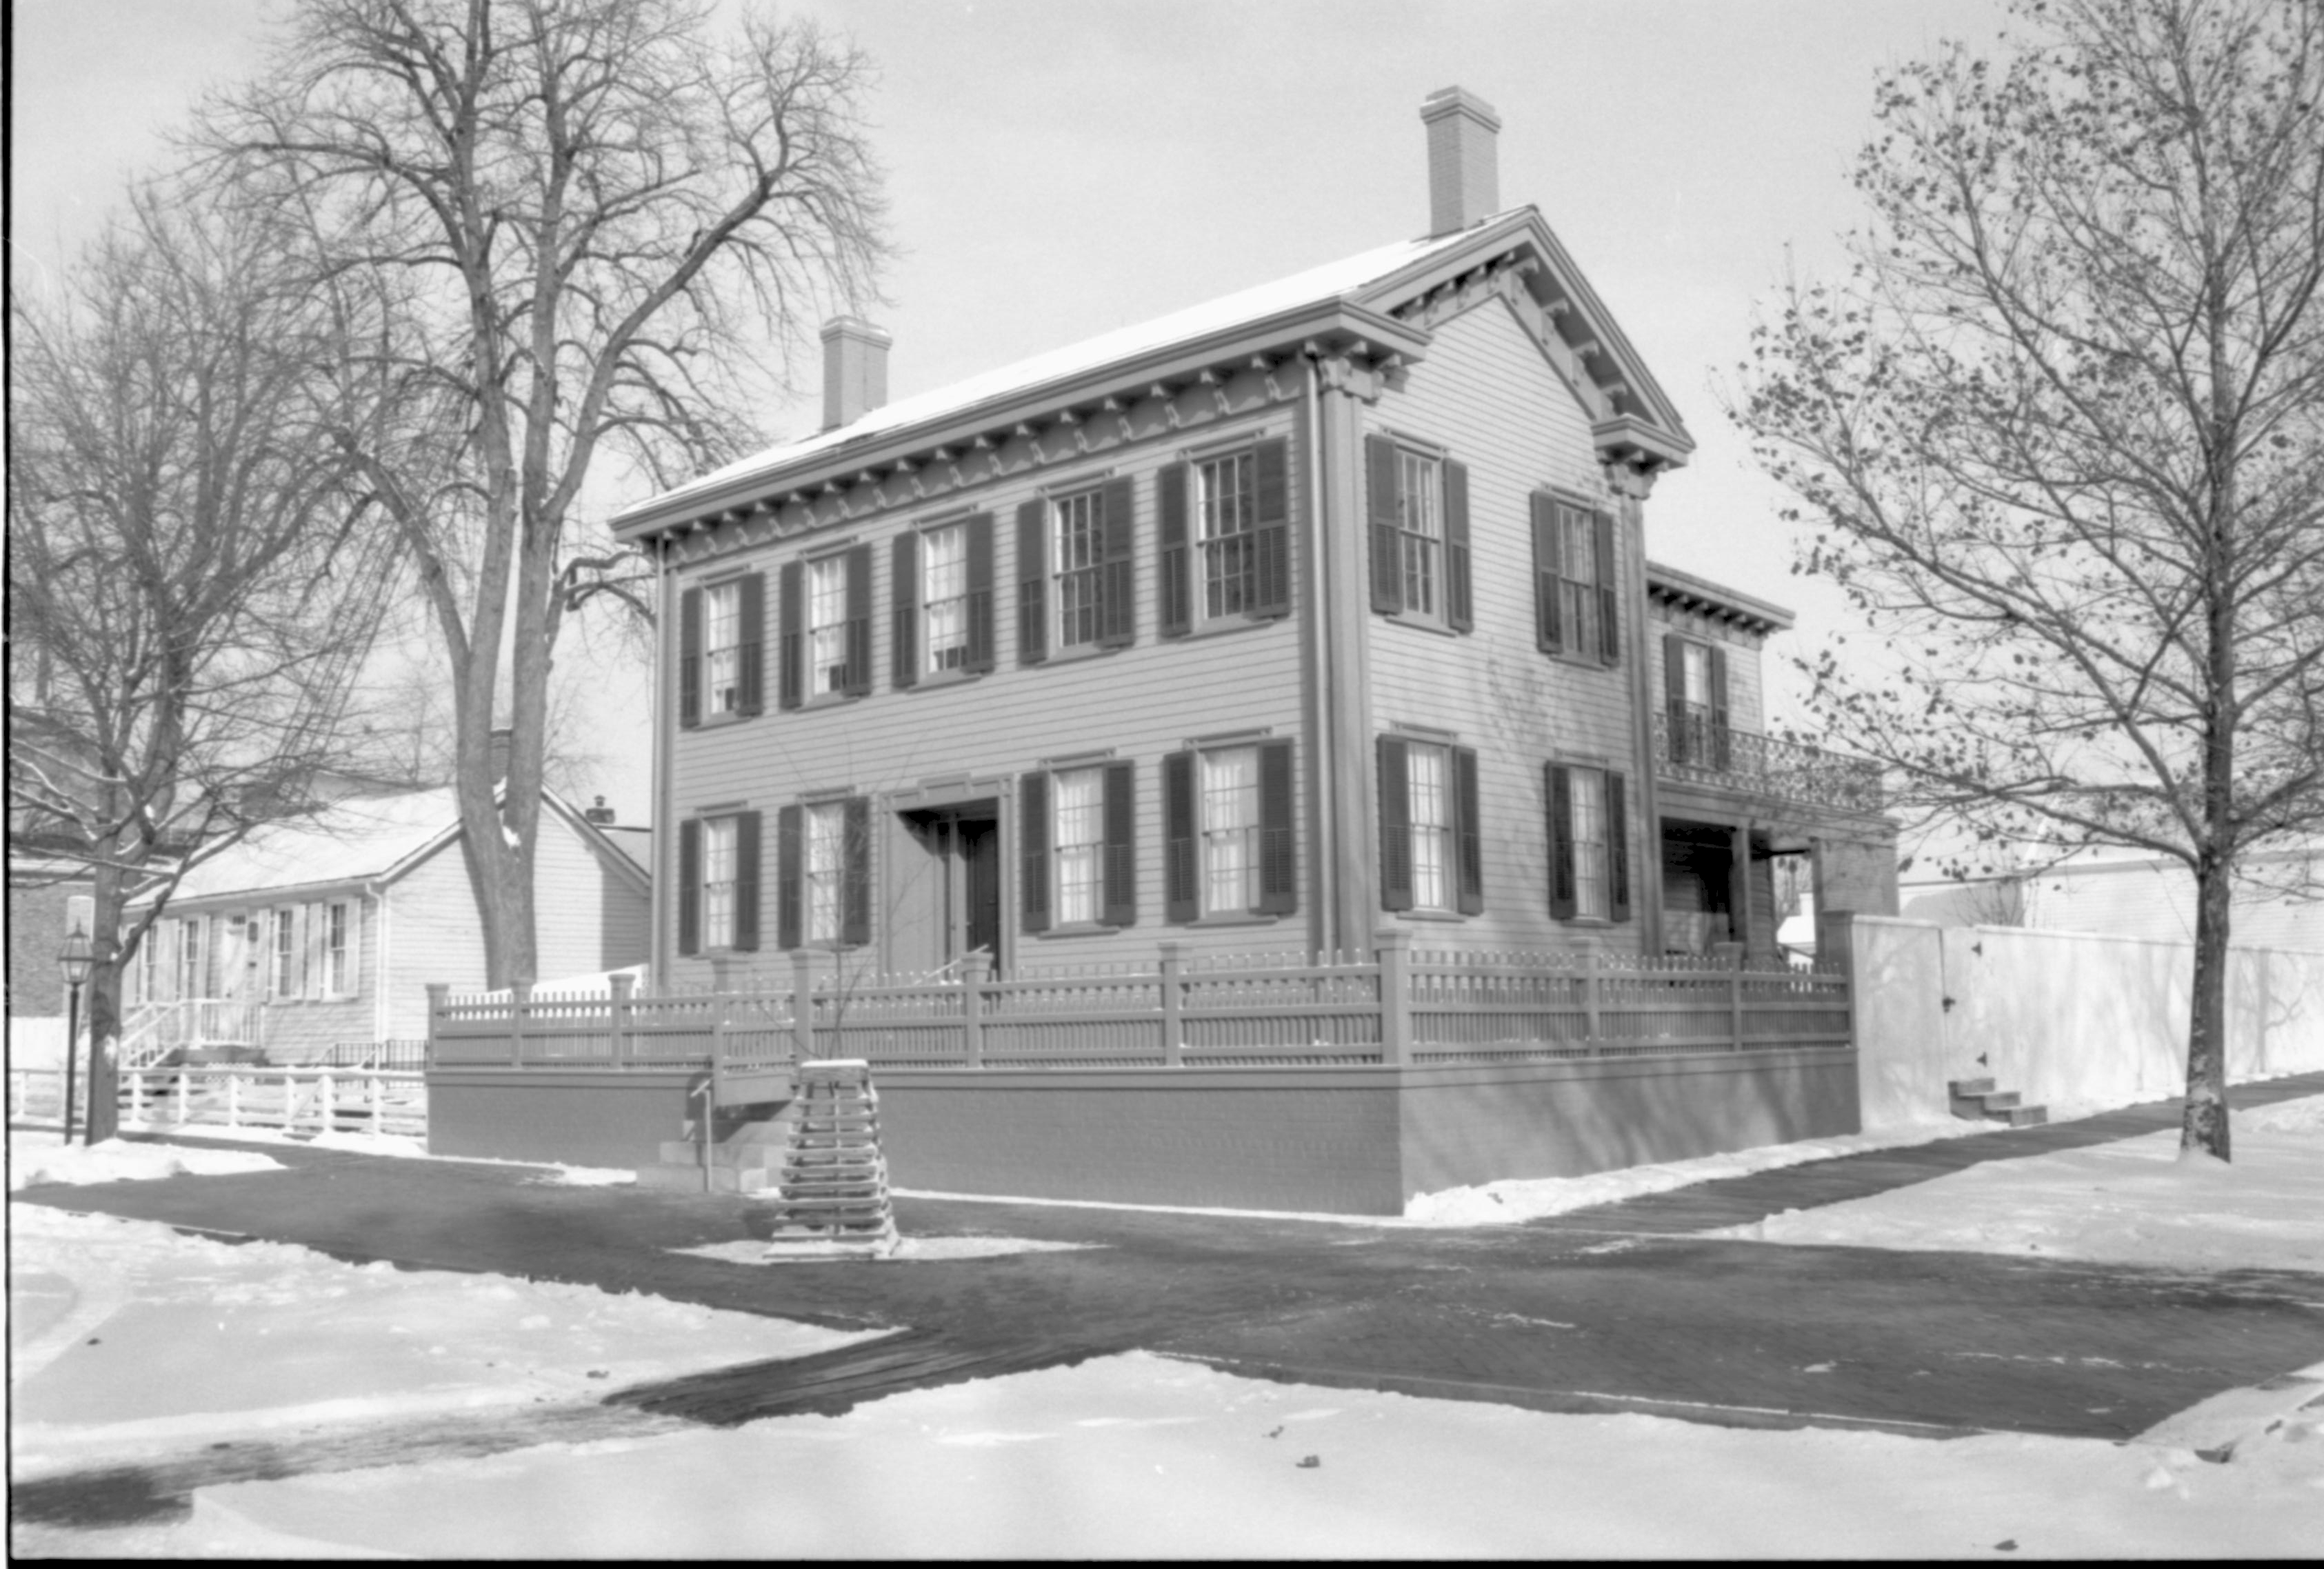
point(193, 584)
point(2060, 438)
point(564, 230)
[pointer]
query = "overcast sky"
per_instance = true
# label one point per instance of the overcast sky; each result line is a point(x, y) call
point(1060, 169)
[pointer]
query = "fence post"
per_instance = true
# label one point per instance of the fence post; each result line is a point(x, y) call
point(1174, 1003)
point(1393, 953)
point(1733, 954)
point(621, 1022)
point(439, 992)
point(325, 1106)
point(971, 1008)
point(519, 997)
point(1590, 1004)
point(803, 1004)
point(137, 1095)
point(233, 1098)
point(184, 1095)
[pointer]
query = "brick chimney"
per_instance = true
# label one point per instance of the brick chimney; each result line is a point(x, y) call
point(1464, 180)
point(854, 370)
point(601, 814)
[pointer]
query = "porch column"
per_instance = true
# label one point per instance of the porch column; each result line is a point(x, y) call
point(1738, 883)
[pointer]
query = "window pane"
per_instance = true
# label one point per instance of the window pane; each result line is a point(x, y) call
point(827, 622)
point(718, 882)
point(1080, 829)
point(826, 868)
point(1428, 779)
point(1080, 547)
point(721, 647)
point(1418, 489)
point(1695, 662)
point(1578, 567)
point(1230, 830)
point(1230, 509)
point(944, 591)
point(1589, 828)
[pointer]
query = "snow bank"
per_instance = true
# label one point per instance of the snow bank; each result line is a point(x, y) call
point(34, 1158)
point(397, 1146)
point(2137, 1200)
point(910, 1251)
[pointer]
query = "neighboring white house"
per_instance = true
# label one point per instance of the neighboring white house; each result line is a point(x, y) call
point(2278, 902)
point(328, 932)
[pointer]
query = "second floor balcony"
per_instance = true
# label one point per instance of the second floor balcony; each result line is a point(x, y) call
point(1690, 746)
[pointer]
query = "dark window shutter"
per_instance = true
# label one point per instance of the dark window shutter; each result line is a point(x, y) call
point(1467, 834)
point(1457, 613)
point(786, 878)
point(904, 597)
point(1121, 844)
point(751, 657)
point(1118, 612)
point(1181, 902)
point(1547, 636)
point(1395, 826)
point(1033, 834)
point(1676, 721)
point(1032, 583)
point(1618, 845)
point(1174, 563)
point(746, 881)
point(690, 660)
point(1719, 749)
point(858, 681)
point(792, 674)
point(1560, 840)
point(1278, 853)
point(689, 886)
point(980, 592)
point(1273, 540)
point(855, 886)
point(1379, 501)
point(1609, 634)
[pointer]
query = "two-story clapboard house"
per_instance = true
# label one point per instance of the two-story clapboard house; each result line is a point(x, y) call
point(1317, 610)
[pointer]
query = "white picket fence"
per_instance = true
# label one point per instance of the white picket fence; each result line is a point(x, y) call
point(237, 1095)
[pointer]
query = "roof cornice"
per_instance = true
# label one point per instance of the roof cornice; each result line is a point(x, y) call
point(1688, 592)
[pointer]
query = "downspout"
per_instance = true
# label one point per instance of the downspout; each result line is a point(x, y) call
point(1324, 854)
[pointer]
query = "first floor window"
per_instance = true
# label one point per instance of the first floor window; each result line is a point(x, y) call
point(1428, 772)
point(1229, 831)
point(1430, 856)
point(827, 869)
point(1080, 861)
point(282, 953)
point(943, 597)
point(1076, 830)
point(718, 881)
point(192, 974)
point(1588, 843)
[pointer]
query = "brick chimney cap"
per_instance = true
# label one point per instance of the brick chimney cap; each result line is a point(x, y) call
point(856, 326)
point(1459, 100)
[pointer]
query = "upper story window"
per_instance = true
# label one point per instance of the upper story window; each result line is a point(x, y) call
point(1229, 847)
point(1695, 700)
point(1431, 847)
point(826, 621)
point(1224, 538)
point(944, 594)
point(1076, 581)
point(1575, 611)
point(1077, 831)
point(721, 633)
point(1588, 843)
point(1228, 488)
point(942, 587)
point(718, 883)
point(1418, 508)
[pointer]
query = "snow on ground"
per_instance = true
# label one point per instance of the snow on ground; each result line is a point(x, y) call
point(265, 1336)
point(2135, 1201)
point(1136, 1455)
point(44, 1158)
point(909, 1250)
point(402, 1147)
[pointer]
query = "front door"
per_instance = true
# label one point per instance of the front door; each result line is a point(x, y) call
point(949, 904)
point(979, 841)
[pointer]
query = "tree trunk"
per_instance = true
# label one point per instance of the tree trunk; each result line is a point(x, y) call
point(2205, 1127)
point(102, 1009)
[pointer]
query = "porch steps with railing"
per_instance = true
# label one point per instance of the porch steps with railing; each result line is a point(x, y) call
point(1975, 1100)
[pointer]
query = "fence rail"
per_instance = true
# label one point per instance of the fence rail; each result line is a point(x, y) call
point(237, 1095)
point(1401, 1007)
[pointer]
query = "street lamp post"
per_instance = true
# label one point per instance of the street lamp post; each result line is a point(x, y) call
point(74, 960)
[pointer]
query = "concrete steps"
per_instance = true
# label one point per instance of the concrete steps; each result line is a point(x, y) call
point(1977, 1100)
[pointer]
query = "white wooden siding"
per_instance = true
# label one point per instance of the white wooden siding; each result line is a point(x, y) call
point(438, 938)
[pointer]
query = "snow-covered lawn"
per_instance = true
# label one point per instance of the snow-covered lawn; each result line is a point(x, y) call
point(37, 1157)
point(1132, 1455)
point(2137, 1200)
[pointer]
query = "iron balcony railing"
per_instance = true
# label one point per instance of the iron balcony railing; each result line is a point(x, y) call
point(1689, 745)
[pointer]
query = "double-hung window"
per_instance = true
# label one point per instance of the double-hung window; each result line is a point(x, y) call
point(1228, 831)
point(940, 585)
point(1076, 829)
point(1419, 505)
point(826, 626)
point(1431, 850)
point(823, 870)
point(1575, 608)
point(718, 883)
point(1588, 843)
point(826, 870)
point(722, 649)
point(1228, 506)
point(1694, 701)
point(944, 597)
point(826, 610)
point(193, 973)
point(282, 948)
point(1075, 578)
point(1223, 539)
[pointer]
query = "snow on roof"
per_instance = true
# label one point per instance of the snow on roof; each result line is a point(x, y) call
point(1347, 276)
point(360, 837)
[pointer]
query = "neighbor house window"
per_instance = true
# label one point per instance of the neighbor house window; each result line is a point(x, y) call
point(192, 974)
point(944, 597)
point(282, 953)
point(1420, 533)
point(1080, 844)
point(826, 870)
point(827, 628)
point(1227, 490)
point(718, 881)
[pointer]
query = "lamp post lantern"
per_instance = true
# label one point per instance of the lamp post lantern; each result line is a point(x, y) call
point(73, 960)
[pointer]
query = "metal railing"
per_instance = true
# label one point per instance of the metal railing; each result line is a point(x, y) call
point(1401, 1007)
point(1690, 746)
